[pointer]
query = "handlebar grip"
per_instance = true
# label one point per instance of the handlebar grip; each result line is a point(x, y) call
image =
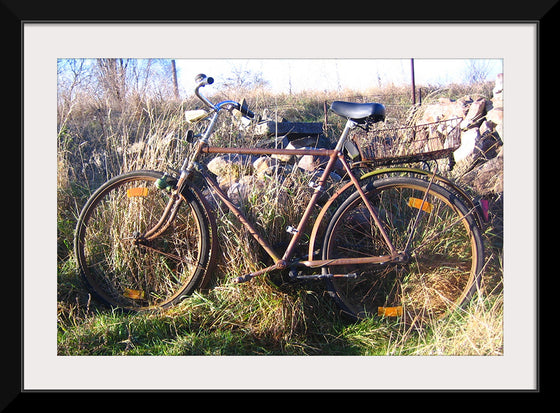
point(244, 109)
point(246, 112)
point(203, 80)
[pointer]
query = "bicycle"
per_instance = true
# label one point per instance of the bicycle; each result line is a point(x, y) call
point(406, 246)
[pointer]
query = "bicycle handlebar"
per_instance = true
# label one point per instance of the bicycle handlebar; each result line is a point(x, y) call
point(203, 80)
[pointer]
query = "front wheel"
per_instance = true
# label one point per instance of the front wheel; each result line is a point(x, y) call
point(128, 272)
point(433, 229)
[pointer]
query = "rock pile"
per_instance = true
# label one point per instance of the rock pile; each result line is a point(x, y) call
point(241, 175)
point(478, 161)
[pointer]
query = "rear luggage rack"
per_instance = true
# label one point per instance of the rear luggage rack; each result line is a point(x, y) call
point(408, 144)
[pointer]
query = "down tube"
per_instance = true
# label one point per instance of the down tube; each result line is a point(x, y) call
point(239, 215)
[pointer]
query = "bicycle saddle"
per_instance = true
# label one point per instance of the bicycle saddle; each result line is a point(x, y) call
point(359, 112)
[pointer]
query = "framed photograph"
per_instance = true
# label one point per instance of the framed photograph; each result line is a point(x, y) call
point(348, 55)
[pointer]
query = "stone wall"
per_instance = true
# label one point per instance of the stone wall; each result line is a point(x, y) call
point(479, 159)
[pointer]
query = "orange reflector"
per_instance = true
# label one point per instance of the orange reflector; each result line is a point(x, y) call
point(132, 192)
point(417, 203)
point(133, 294)
point(389, 311)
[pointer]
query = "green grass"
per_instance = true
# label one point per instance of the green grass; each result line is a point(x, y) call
point(261, 318)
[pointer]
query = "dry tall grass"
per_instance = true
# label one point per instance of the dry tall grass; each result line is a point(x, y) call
point(98, 140)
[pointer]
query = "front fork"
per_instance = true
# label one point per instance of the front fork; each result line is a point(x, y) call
point(175, 190)
point(169, 213)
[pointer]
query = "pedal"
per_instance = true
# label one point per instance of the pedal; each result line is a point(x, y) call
point(249, 277)
point(291, 230)
point(315, 186)
point(293, 274)
point(243, 278)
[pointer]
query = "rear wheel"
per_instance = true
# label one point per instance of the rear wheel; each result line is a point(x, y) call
point(128, 271)
point(435, 230)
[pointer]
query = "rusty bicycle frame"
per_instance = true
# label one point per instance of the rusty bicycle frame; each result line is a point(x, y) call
point(284, 261)
point(190, 165)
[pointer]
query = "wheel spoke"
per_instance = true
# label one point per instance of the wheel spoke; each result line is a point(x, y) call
point(439, 274)
point(123, 268)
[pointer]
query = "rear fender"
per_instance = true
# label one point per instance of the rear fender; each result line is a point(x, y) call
point(480, 206)
point(479, 215)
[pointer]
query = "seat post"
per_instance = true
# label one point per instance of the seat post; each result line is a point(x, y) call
point(350, 124)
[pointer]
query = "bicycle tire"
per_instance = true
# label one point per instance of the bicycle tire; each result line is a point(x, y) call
point(446, 253)
point(137, 276)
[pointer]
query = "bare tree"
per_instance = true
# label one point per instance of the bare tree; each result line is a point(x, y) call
point(242, 78)
point(174, 78)
point(476, 70)
point(117, 81)
point(71, 73)
point(113, 79)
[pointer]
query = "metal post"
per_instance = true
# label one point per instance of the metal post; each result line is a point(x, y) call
point(326, 110)
point(413, 82)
